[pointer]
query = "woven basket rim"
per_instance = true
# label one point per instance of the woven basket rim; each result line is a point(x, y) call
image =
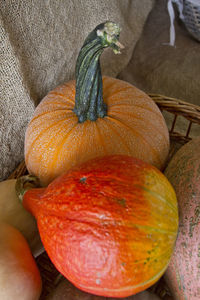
point(177, 106)
point(180, 103)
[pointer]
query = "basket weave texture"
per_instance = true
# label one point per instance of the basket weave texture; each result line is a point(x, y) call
point(177, 108)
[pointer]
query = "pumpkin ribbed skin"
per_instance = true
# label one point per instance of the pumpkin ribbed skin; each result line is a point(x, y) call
point(183, 171)
point(109, 225)
point(55, 140)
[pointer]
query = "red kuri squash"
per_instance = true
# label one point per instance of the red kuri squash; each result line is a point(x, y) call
point(93, 117)
point(109, 225)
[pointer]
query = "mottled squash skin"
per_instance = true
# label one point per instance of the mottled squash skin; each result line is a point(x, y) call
point(183, 273)
point(109, 225)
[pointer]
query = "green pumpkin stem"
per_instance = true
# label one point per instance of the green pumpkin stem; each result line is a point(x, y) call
point(25, 183)
point(89, 103)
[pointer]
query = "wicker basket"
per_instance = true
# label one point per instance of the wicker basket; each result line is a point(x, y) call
point(174, 110)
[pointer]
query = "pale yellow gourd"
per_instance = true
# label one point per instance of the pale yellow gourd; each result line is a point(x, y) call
point(12, 212)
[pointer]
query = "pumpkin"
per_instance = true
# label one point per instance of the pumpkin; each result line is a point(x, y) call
point(183, 171)
point(108, 225)
point(19, 274)
point(13, 213)
point(67, 291)
point(92, 117)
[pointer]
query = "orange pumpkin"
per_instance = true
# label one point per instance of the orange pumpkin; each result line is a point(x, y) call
point(92, 117)
point(108, 225)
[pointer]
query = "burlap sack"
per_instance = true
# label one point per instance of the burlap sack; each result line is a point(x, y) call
point(40, 41)
point(157, 67)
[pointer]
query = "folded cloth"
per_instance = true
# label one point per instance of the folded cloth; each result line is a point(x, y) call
point(159, 68)
point(189, 13)
point(156, 67)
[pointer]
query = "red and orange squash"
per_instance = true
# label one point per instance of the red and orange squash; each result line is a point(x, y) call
point(108, 225)
point(19, 275)
point(92, 117)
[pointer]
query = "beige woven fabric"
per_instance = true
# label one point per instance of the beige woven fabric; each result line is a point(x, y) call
point(156, 67)
point(39, 44)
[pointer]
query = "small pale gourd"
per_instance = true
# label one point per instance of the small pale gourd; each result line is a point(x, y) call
point(12, 212)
